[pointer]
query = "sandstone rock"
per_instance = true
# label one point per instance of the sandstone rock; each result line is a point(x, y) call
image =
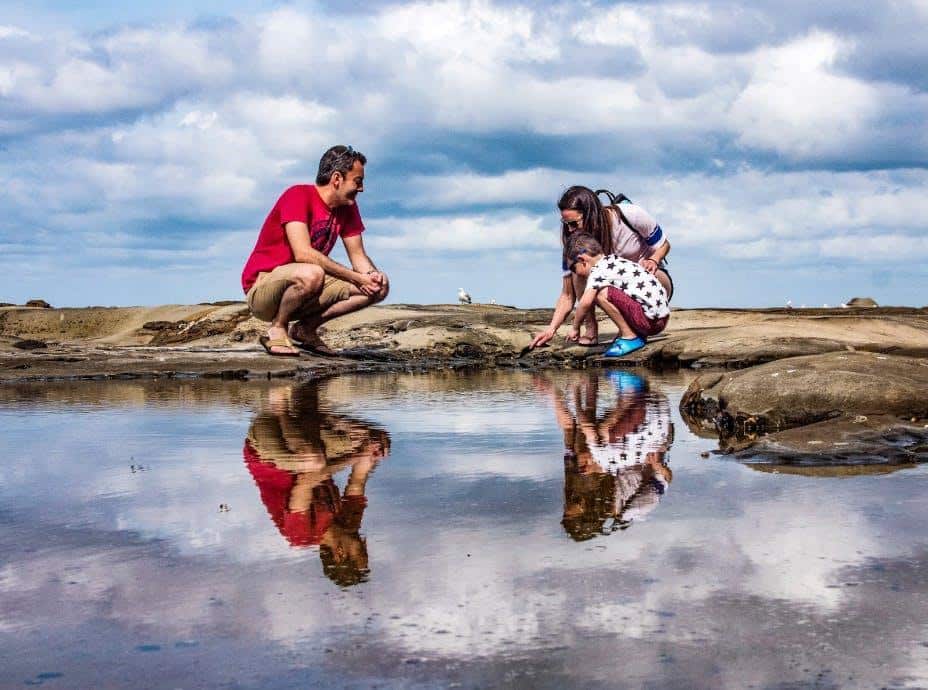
point(30, 344)
point(803, 390)
point(40, 303)
point(840, 407)
point(845, 442)
point(158, 325)
point(468, 350)
point(862, 302)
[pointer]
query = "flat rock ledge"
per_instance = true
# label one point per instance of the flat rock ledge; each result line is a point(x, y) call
point(220, 339)
point(839, 408)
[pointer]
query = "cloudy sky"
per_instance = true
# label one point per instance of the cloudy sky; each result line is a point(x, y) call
point(781, 145)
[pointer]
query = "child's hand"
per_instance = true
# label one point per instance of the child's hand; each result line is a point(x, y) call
point(574, 334)
point(650, 265)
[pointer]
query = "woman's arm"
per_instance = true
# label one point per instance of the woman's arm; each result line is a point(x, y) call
point(652, 263)
point(563, 307)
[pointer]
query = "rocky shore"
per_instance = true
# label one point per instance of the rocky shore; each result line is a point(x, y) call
point(783, 385)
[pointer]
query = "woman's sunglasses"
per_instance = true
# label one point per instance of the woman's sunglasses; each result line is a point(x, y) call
point(573, 224)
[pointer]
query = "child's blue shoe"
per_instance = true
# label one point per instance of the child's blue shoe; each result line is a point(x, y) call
point(626, 381)
point(622, 346)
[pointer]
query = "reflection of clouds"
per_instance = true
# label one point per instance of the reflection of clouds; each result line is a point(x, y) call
point(462, 582)
point(499, 462)
point(456, 415)
point(732, 561)
point(792, 547)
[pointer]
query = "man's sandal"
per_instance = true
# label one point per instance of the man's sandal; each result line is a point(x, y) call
point(316, 346)
point(269, 346)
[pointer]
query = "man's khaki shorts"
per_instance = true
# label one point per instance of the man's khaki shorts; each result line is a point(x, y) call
point(265, 295)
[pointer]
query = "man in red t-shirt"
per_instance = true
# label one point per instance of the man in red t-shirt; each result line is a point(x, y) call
point(289, 275)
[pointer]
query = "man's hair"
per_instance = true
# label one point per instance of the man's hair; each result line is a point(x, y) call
point(337, 159)
point(582, 243)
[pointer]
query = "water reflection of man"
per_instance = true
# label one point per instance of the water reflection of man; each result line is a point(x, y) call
point(615, 465)
point(292, 450)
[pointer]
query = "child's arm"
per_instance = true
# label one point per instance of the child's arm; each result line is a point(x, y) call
point(584, 304)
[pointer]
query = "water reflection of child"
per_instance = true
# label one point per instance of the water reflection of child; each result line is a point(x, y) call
point(615, 467)
point(292, 450)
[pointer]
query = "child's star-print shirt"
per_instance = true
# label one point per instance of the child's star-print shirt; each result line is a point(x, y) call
point(633, 280)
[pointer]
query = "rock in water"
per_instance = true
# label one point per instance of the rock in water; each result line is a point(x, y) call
point(799, 391)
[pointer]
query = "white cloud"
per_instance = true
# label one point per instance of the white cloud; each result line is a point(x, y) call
point(877, 248)
point(480, 232)
point(796, 105)
point(199, 120)
point(13, 32)
point(139, 125)
point(625, 25)
point(516, 186)
point(777, 216)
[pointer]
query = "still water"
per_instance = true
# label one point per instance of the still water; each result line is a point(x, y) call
point(438, 530)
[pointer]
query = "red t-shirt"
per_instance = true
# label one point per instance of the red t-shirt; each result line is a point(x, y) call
point(300, 203)
point(305, 528)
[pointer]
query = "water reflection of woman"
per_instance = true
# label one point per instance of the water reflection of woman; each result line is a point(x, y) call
point(293, 449)
point(615, 466)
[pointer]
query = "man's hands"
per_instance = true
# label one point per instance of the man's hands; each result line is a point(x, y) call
point(573, 335)
point(371, 282)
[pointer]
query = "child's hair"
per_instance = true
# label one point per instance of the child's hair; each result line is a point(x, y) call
point(582, 243)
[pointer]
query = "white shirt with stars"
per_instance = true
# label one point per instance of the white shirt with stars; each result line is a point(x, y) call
point(633, 280)
point(653, 435)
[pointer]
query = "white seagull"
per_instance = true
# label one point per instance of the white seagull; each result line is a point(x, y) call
point(463, 297)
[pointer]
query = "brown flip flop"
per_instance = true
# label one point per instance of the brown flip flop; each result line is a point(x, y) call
point(316, 350)
point(316, 347)
point(269, 344)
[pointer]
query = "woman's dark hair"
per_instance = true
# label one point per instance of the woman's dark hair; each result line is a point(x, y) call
point(595, 221)
point(589, 501)
point(337, 159)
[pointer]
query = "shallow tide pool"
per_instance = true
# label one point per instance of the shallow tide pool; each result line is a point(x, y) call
point(438, 530)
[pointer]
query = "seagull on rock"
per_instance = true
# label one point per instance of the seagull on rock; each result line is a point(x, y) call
point(463, 297)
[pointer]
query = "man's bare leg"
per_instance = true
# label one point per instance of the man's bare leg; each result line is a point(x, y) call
point(305, 329)
point(602, 301)
point(306, 285)
point(590, 325)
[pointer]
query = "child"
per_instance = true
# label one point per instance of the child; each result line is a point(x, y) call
point(630, 296)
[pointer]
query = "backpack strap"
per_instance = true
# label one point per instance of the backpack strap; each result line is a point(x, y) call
point(614, 201)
